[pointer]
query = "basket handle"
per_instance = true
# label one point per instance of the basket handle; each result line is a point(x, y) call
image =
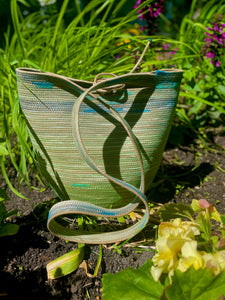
point(82, 207)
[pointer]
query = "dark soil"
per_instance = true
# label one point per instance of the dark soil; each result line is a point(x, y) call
point(24, 256)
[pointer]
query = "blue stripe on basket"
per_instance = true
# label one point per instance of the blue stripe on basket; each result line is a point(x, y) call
point(167, 85)
point(57, 106)
point(43, 85)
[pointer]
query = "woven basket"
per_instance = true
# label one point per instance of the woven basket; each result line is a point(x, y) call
point(99, 144)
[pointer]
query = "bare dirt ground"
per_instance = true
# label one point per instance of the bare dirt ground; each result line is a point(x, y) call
point(187, 172)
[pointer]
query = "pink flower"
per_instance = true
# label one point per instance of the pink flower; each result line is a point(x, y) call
point(210, 55)
point(166, 46)
point(205, 204)
point(218, 64)
point(154, 10)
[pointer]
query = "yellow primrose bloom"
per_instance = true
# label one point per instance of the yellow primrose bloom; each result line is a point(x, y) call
point(190, 256)
point(171, 238)
point(165, 260)
point(211, 262)
point(220, 259)
point(177, 228)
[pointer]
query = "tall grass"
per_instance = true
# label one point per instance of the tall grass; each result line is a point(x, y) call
point(202, 96)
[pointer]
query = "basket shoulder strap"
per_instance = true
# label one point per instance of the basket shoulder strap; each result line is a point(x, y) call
point(82, 207)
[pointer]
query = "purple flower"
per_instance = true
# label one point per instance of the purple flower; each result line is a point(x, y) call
point(210, 55)
point(215, 41)
point(218, 64)
point(137, 3)
point(153, 11)
point(216, 28)
point(166, 53)
point(166, 46)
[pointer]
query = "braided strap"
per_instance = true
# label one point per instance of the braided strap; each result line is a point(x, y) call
point(81, 207)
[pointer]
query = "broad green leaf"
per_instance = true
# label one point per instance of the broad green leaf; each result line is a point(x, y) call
point(173, 211)
point(196, 285)
point(131, 284)
point(66, 263)
point(8, 229)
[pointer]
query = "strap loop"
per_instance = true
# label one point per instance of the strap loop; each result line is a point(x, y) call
point(108, 89)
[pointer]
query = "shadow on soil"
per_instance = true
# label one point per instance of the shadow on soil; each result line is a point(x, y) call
point(30, 284)
point(173, 178)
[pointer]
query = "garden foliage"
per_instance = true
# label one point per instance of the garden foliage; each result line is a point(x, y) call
point(97, 38)
point(189, 259)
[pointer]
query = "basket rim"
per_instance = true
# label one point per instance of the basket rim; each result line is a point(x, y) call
point(154, 73)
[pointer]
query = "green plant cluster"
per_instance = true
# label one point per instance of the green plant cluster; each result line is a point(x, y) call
point(6, 228)
point(189, 259)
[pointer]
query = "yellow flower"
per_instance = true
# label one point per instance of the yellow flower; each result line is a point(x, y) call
point(177, 228)
point(171, 238)
point(190, 256)
point(220, 257)
point(215, 262)
point(211, 262)
point(166, 260)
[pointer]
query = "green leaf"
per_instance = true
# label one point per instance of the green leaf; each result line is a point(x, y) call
point(8, 229)
point(24, 2)
point(196, 285)
point(173, 211)
point(223, 219)
point(204, 227)
point(131, 284)
point(66, 263)
point(3, 195)
point(221, 89)
point(11, 213)
point(3, 150)
point(3, 212)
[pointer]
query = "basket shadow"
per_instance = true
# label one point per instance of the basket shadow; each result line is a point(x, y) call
point(164, 186)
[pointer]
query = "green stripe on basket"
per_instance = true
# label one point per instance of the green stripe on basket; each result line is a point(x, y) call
point(80, 185)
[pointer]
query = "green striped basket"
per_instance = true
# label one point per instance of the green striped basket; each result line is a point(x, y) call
point(99, 144)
